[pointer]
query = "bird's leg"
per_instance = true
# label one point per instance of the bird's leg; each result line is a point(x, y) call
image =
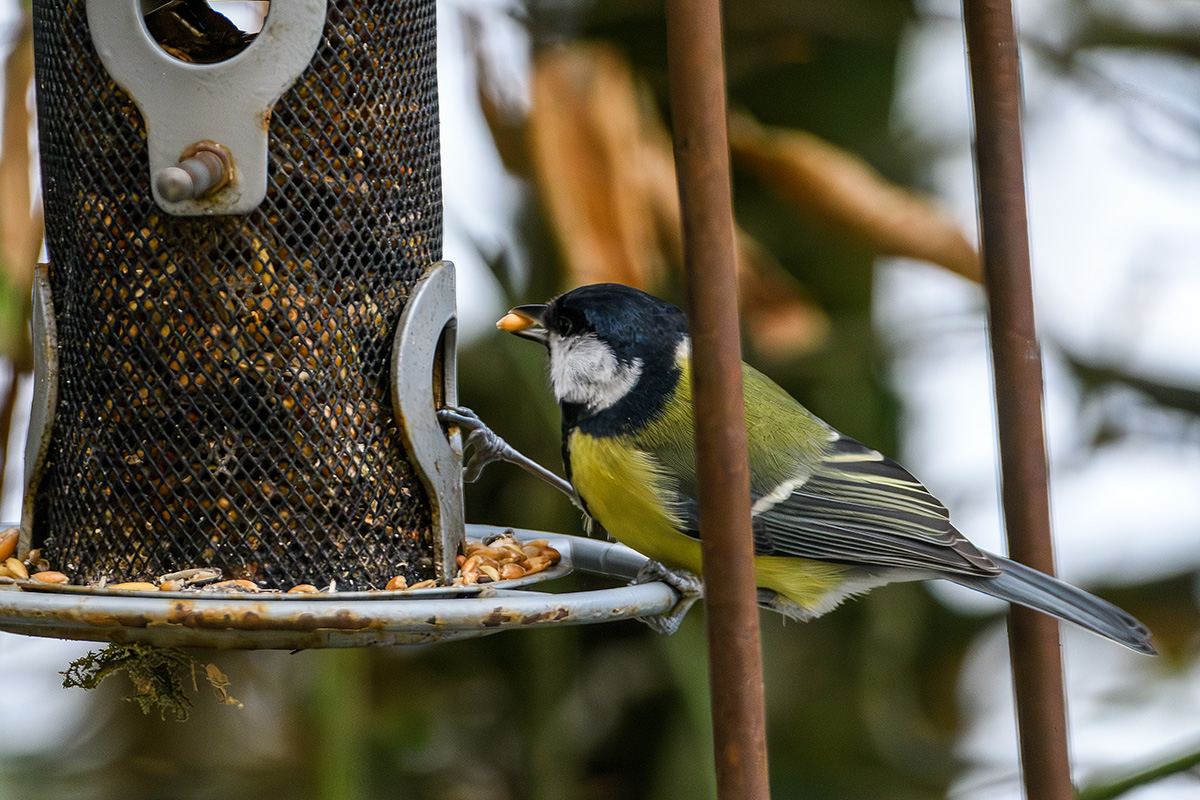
point(687, 584)
point(487, 446)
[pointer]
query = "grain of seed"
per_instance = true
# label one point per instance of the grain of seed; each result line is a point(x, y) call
point(8, 542)
point(239, 585)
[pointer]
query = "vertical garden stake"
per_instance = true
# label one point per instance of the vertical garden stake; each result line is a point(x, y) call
point(1034, 642)
point(702, 162)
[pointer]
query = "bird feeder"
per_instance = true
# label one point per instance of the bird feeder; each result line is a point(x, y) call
point(244, 332)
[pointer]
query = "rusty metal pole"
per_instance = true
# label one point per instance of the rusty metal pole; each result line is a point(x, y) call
point(1033, 637)
point(694, 53)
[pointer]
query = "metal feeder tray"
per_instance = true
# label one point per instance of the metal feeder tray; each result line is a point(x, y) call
point(253, 621)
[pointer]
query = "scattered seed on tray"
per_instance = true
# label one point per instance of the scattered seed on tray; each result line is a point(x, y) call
point(497, 558)
point(503, 558)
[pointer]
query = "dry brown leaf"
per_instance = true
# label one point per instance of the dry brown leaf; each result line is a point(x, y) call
point(20, 213)
point(605, 171)
point(842, 189)
point(506, 123)
point(20, 219)
point(780, 319)
point(584, 135)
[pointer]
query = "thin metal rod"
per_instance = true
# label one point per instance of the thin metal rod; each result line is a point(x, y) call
point(697, 81)
point(1033, 637)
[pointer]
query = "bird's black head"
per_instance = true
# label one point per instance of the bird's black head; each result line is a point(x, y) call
point(630, 321)
point(613, 351)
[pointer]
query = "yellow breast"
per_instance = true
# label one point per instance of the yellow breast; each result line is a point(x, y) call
point(624, 491)
point(627, 493)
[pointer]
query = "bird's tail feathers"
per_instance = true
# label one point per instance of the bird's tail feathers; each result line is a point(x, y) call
point(1028, 587)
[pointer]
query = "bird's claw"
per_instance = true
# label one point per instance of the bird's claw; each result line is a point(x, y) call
point(687, 584)
point(484, 450)
point(487, 446)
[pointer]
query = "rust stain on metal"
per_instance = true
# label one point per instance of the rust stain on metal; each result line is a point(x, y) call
point(99, 620)
point(249, 617)
point(501, 616)
point(553, 615)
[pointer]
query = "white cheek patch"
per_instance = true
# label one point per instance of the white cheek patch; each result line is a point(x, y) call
point(584, 370)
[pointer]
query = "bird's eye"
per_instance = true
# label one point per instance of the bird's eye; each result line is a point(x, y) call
point(565, 326)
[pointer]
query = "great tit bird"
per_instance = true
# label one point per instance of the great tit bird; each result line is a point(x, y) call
point(832, 518)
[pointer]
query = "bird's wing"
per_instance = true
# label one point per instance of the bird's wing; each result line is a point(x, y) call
point(816, 493)
point(857, 506)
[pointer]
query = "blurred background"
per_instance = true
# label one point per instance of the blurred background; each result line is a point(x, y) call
point(855, 203)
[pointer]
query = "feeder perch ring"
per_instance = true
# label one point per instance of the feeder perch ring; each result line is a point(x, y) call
point(253, 621)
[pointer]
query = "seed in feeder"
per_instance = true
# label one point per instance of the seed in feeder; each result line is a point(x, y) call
point(240, 585)
point(49, 576)
point(397, 583)
point(491, 537)
point(506, 555)
point(304, 588)
point(36, 562)
point(193, 576)
point(16, 568)
point(426, 584)
point(507, 548)
point(536, 564)
point(8, 542)
point(172, 585)
point(133, 586)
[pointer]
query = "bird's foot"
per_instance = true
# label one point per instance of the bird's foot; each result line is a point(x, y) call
point(487, 446)
point(687, 584)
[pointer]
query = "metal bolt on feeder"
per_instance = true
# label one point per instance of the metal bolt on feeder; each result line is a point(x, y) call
point(243, 336)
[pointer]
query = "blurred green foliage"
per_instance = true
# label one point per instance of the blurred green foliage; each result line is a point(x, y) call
point(861, 703)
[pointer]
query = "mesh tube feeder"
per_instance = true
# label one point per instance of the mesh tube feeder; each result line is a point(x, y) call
point(243, 335)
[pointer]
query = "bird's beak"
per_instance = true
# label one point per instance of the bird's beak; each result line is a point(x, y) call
point(526, 322)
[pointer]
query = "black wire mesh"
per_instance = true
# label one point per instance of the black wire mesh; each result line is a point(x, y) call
point(223, 394)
